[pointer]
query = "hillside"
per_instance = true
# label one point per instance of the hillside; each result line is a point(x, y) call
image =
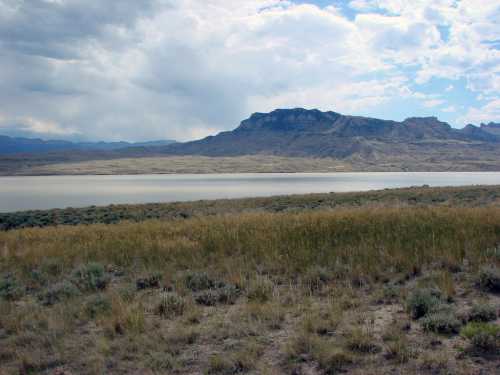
point(312, 133)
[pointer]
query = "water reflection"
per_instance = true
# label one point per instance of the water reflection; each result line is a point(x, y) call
point(42, 192)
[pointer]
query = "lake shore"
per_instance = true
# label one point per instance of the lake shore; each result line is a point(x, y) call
point(466, 196)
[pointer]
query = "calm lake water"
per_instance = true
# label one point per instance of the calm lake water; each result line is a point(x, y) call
point(27, 193)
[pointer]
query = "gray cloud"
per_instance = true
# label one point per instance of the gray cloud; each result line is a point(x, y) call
point(57, 28)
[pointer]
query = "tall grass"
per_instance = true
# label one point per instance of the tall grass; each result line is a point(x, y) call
point(368, 241)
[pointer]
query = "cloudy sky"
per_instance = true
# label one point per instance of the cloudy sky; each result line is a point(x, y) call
point(182, 69)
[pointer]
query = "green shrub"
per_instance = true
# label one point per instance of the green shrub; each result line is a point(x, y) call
point(228, 294)
point(90, 277)
point(59, 292)
point(197, 281)
point(51, 267)
point(422, 301)
point(489, 279)
point(97, 305)
point(210, 297)
point(171, 305)
point(483, 337)
point(441, 322)
point(10, 289)
point(482, 313)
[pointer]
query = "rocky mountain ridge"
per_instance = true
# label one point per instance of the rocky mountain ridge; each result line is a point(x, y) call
point(302, 132)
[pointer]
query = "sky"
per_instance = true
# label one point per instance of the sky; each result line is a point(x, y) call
point(184, 69)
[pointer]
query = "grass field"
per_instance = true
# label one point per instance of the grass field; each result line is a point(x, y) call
point(371, 289)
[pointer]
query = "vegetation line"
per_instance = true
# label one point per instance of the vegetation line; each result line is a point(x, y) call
point(472, 196)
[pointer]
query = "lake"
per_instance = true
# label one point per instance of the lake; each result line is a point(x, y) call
point(44, 192)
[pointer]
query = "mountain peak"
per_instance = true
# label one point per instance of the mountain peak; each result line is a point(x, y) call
point(428, 120)
point(295, 119)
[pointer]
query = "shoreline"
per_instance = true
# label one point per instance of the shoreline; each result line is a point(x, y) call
point(426, 196)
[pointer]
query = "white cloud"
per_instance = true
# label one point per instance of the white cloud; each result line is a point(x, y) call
point(346, 97)
point(486, 113)
point(433, 103)
point(187, 68)
point(450, 109)
point(36, 126)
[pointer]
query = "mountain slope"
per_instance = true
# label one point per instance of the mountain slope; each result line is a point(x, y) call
point(301, 132)
point(11, 145)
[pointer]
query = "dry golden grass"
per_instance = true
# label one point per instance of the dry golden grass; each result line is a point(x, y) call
point(240, 293)
point(365, 241)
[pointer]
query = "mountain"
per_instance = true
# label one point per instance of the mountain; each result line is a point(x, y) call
point(336, 141)
point(313, 133)
point(11, 145)
point(492, 128)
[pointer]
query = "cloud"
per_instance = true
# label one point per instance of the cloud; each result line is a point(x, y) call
point(432, 103)
point(484, 114)
point(57, 29)
point(28, 125)
point(188, 68)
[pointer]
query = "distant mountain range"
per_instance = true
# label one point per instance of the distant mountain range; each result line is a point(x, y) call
point(11, 145)
point(301, 132)
point(353, 142)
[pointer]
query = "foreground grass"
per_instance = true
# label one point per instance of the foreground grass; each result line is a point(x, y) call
point(361, 290)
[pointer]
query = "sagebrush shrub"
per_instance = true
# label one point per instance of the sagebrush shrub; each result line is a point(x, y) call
point(482, 313)
point(441, 322)
point(90, 277)
point(98, 305)
point(10, 289)
point(197, 281)
point(59, 292)
point(422, 301)
point(225, 295)
point(489, 279)
point(483, 337)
